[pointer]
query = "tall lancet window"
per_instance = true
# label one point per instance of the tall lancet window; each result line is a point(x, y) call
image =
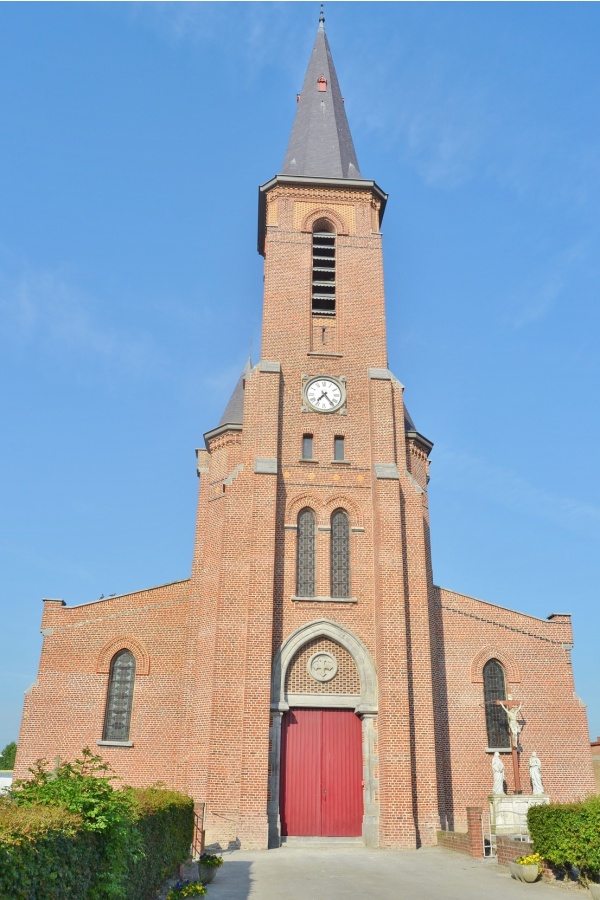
point(340, 554)
point(494, 688)
point(305, 565)
point(119, 700)
point(323, 269)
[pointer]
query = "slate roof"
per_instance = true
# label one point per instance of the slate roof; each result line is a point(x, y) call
point(321, 144)
point(409, 425)
point(234, 411)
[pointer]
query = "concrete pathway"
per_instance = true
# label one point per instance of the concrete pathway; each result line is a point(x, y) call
point(343, 872)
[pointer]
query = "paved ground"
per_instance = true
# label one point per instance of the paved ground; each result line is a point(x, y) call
point(341, 873)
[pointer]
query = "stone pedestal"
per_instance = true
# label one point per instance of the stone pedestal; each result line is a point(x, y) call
point(508, 812)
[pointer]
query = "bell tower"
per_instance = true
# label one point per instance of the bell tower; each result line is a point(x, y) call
point(312, 537)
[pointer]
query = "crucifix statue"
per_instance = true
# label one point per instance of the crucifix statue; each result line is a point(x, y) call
point(512, 709)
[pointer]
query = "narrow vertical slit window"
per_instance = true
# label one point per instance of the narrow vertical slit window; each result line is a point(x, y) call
point(323, 269)
point(305, 562)
point(340, 554)
point(307, 446)
point(119, 699)
point(338, 448)
point(494, 688)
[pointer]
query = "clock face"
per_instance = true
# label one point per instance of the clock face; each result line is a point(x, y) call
point(324, 394)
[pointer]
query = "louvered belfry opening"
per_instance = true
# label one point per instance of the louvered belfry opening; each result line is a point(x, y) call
point(323, 269)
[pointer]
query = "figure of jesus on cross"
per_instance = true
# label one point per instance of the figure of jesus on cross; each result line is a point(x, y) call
point(512, 709)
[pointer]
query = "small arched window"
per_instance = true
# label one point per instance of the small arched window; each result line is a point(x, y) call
point(323, 269)
point(305, 562)
point(494, 688)
point(340, 554)
point(119, 699)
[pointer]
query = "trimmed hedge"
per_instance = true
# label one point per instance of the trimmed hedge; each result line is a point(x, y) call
point(166, 825)
point(45, 855)
point(69, 835)
point(568, 834)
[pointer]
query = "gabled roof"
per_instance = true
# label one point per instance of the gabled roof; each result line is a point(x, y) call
point(321, 144)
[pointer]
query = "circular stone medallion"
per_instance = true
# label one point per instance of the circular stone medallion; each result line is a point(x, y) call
point(322, 666)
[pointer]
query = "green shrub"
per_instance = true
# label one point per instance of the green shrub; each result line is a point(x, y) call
point(44, 854)
point(568, 834)
point(165, 822)
point(84, 788)
point(68, 833)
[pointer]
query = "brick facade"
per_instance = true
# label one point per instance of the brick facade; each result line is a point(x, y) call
point(595, 745)
point(213, 667)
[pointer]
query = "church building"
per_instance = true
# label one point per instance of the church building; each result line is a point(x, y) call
point(309, 678)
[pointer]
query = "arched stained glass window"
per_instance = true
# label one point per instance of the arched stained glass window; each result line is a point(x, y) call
point(305, 565)
point(120, 697)
point(494, 688)
point(340, 554)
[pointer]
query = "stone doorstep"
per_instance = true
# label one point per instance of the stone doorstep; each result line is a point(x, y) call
point(315, 843)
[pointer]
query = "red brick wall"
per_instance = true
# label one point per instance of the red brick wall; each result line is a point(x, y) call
point(64, 710)
point(470, 841)
point(455, 840)
point(509, 850)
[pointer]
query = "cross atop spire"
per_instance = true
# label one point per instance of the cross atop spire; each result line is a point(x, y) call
point(321, 144)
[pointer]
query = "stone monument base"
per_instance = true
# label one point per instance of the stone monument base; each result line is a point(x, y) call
point(508, 812)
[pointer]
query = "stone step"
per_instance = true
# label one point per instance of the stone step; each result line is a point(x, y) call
point(302, 843)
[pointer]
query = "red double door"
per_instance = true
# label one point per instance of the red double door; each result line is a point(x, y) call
point(321, 773)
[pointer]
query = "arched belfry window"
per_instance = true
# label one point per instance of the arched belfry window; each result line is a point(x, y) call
point(323, 268)
point(494, 688)
point(340, 554)
point(119, 700)
point(305, 564)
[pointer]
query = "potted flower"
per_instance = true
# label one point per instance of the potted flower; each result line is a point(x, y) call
point(208, 865)
point(186, 889)
point(526, 868)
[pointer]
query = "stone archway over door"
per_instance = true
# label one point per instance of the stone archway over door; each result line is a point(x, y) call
point(363, 705)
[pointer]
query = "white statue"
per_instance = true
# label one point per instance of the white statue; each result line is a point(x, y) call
point(498, 770)
point(535, 773)
point(514, 725)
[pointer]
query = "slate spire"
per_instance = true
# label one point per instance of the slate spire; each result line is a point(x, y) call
point(321, 144)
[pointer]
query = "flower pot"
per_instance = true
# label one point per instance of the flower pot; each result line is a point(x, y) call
point(594, 890)
point(207, 873)
point(528, 874)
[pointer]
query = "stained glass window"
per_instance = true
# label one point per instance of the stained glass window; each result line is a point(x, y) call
point(305, 572)
point(494, 688)
point(120, 697)
point(340, 554)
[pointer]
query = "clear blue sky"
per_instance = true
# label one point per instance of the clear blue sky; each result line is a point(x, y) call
point(132, 142)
